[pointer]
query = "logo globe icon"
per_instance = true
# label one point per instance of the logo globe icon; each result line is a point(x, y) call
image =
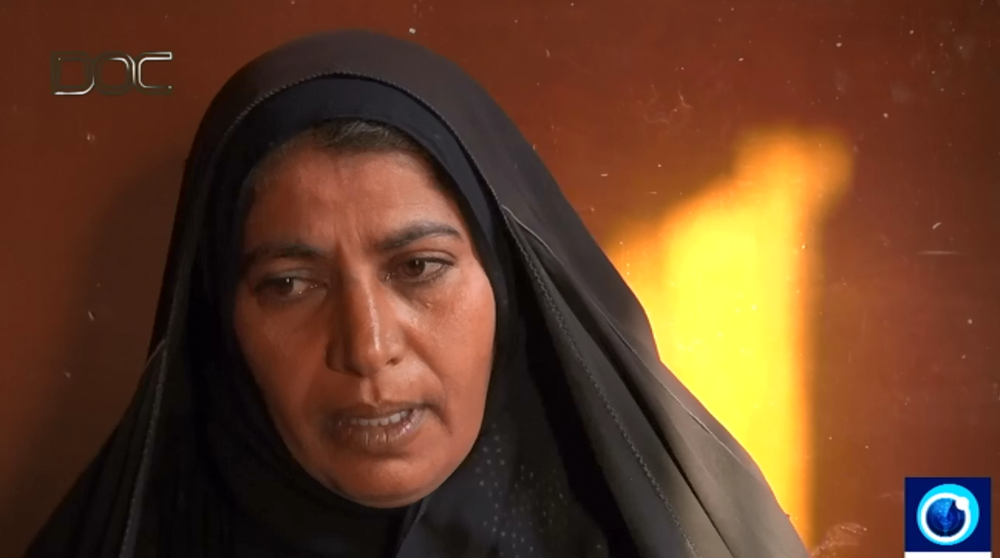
point(947, 514)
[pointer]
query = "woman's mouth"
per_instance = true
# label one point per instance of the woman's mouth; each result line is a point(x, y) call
point(381, 421)
point(376, 431)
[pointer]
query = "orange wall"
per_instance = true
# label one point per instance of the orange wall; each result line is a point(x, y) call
point(805, 195)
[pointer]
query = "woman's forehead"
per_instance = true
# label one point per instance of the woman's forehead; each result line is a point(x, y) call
point(305, 161)
point(314, 192)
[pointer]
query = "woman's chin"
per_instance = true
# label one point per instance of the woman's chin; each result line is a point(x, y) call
point(384, 497)
point(387, 500)
point(384, 485)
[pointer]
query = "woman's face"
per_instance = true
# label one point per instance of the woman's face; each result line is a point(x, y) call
point(367, 320)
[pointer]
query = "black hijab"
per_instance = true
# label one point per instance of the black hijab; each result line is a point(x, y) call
point(590, 448)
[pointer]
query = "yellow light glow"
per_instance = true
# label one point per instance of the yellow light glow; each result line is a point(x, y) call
point(727, 281)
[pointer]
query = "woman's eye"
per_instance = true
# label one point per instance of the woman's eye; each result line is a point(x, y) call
point(285, 287)
point(420, 269)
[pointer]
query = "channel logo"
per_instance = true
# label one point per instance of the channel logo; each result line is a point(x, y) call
point(948, 517)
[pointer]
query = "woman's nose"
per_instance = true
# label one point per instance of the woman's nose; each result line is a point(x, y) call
point(363, 339)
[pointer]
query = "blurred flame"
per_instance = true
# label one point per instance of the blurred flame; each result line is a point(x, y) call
point(726, 280)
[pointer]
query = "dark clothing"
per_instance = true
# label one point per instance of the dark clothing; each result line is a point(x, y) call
point(590, 446)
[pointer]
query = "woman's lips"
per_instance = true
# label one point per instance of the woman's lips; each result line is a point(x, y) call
point(378, 431)
point(380, 421)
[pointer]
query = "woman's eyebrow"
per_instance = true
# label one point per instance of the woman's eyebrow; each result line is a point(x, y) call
point(302, 251)
point(415, 231)
point(279, 250)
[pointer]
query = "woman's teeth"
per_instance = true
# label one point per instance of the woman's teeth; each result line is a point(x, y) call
point(381, 421)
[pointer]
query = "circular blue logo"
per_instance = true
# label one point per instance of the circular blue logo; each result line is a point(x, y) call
point(947, 514)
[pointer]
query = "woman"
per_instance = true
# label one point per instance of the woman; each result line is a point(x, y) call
point(384, 332)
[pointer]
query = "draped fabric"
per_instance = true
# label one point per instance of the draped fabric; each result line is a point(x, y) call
point(590, 446)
